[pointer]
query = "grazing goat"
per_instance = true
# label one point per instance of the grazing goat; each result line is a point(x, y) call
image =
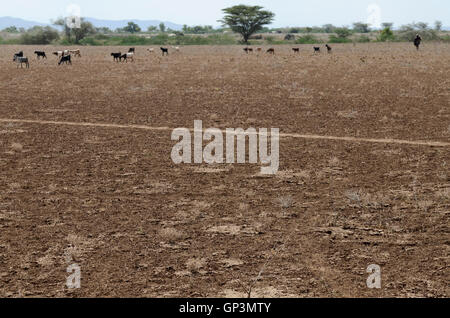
point(248, 50)
point(271, 51)
point(21, 60)
point(296, 50)
point(328, 48)
point(417, 41)
point(151, 50)
point(132, 50)
point(316, 49)
point(20, 54)
point(259, 49)
point(67, 59)
point(164, 50)
point(127, 56)
point(176, 48)
point(116, 56)
point(75, 52)
point(61, 53)
point(40, 54)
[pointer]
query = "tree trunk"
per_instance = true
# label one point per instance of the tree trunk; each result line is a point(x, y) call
point(246, 37)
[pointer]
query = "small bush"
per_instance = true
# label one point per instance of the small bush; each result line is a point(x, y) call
point(90, 41)
point(445, 38)
point(363, 39)
point(269, 39)
point(101, 36)
point(343, 33)
point(272, 40)
point(386, 35)
point(334, 39)
point(307, 39)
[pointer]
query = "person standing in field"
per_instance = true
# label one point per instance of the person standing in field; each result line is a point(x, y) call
point(417, 41)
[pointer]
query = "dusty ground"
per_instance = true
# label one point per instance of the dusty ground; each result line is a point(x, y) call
point(110, 199)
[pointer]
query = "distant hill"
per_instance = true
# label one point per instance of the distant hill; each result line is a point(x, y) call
point(144, 24)
point(112, 24)
point(6, 22)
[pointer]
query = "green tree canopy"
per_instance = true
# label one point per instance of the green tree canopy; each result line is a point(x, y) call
point(246, 20)
point(329, 28)
point(162, 27)
point(360, 27)
point(11, 29)
point(39, 35)
point(343, 32)
point(386, 35)
point(132, 28)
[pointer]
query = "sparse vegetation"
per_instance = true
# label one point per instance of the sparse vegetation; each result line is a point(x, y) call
point(39, 35)
point(257, 33)
point(308, 39)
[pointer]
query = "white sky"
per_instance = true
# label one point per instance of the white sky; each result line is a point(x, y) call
point(202, 12)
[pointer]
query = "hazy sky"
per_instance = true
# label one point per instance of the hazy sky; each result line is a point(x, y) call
point(288, 12)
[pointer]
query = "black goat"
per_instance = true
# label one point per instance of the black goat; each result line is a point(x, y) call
point(417, 41)
point(328, 48)
point(20, 54)
point(296, 50)
point(164, 50)
point(40, 54)
point(316, 49)
point(117, 56)
point(65, 59)
point(271, 51)
point(132, 50)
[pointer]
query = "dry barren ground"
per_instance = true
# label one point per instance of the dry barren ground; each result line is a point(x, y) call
point(108, 197)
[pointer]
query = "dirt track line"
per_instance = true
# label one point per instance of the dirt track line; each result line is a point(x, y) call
point(316, 137)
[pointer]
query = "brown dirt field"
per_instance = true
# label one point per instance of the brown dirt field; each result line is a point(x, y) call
point(364, 174)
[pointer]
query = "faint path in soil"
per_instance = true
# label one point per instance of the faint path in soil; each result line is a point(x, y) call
point(288, 135)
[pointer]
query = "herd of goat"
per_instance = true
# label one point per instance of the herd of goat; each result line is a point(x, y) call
point(65, 57)
point(295, 50)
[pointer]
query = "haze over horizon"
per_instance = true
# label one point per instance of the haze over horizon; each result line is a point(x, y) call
point(207, 12)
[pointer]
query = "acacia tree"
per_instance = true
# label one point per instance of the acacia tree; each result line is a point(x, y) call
point(246, 20)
